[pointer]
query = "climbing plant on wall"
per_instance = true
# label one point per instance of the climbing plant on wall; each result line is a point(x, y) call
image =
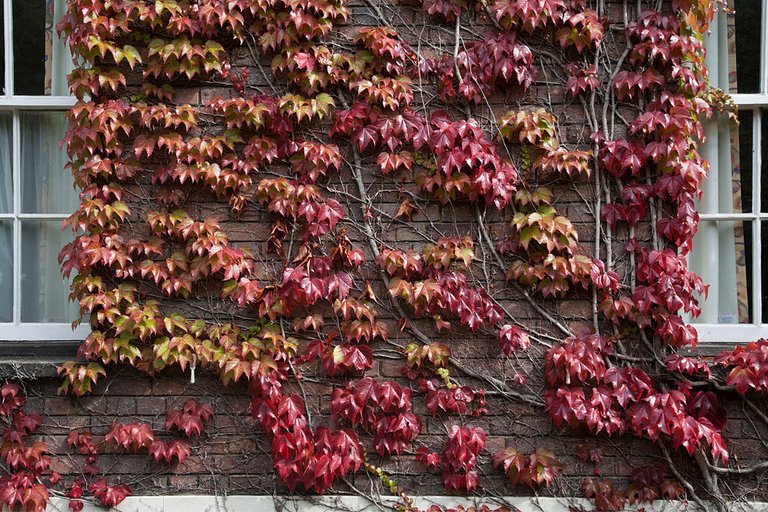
point(306, 101)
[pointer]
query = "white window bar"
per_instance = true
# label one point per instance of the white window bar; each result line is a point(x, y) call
point(15, 104)
point(754, 102)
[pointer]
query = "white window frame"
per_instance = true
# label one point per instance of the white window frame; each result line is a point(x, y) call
point(758, 328)
point(9, 102)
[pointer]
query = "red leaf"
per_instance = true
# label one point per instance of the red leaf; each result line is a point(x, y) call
point(109, 495)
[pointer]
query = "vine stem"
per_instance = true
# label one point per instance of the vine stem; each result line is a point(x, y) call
point(679, 476)
point(499, 385)
point(500, 262)
point(456, 43)
point(710, 479)
point(756, 410)
point(368, 229)
point(362, 494)
point(737, 471)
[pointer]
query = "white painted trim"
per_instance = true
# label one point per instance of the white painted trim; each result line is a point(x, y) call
point(36, 216)
point(750, 101)
point(733, 216)
point(764, 47)
point(358, 504)
point(36, 102)
point(10, 102)
point(740, 333)
point(8, 42)
point(43, 332)
point(16, 330)
point(731, 333)
point(757, 169)
point(16, 166)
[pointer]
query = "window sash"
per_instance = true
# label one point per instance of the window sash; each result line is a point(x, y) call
point(11, 102)
point(17, 330)
point(756, 102)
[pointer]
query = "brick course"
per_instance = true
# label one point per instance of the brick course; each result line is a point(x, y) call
point(233, 457)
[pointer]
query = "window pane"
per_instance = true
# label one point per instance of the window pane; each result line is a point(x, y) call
point(747, 33)
point(6, 168)
point(741, 160)
point(40, 59)
point(722, 256)
point(764, 171)
point(764, 166)
point(46, 187)
point(6, 271)
point(2, 50)
point(764, 269)
point(44, 292)
point(728, 148)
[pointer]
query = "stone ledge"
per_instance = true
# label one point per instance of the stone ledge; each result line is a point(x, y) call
point(329, 503)
point(34, 359)
point(39, 359)
point(29, 368)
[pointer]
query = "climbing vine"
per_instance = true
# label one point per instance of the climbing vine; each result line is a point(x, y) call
point(311, 115)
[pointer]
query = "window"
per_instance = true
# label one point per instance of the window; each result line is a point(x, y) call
point(36, 192)
point(730, 251)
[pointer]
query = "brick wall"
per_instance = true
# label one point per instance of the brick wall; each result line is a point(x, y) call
point(233, 457)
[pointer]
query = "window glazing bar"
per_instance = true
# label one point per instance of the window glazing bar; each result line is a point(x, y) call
point(750, 101)
point(35, 216)
point(44, 332)
point(730, 333)
point(44, 216)
point(757, 162)
point(16, 169)
point(37, 102)
point(732, 216)
point(764, 47)
point(8, 41)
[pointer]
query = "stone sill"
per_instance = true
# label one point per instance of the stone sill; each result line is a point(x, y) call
point(349, 503)
point(30, 368)
point(34, 359)
point(40, 359)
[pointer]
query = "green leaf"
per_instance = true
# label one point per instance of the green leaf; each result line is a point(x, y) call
point(130, 55)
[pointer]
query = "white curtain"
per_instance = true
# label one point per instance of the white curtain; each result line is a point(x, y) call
point(58, 61)
point(6, 225)
point(45, 188)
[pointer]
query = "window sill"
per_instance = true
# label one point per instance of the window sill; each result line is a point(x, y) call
point(29, 368)
point(730, 333)
point(34, 359)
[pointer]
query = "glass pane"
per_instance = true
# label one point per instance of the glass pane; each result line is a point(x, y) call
point(44, 292)
point(747, 33)
point(40, 60)
point(6, 168)
point(741, 159)
point(764, 170)
point(722, 256)
point(2, 50)
point(764, 269)
point(764, 166)
point(46, 187)
point(6, 271)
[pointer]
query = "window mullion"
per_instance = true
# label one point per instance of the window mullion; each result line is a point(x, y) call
point(764, 48)
point(16, 169)
point(43, 216)
point(728, 216)
point(8, 40)
point(757, 272)
point(757, 308)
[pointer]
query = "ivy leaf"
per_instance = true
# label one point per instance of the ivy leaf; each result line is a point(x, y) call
point(109, 495)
